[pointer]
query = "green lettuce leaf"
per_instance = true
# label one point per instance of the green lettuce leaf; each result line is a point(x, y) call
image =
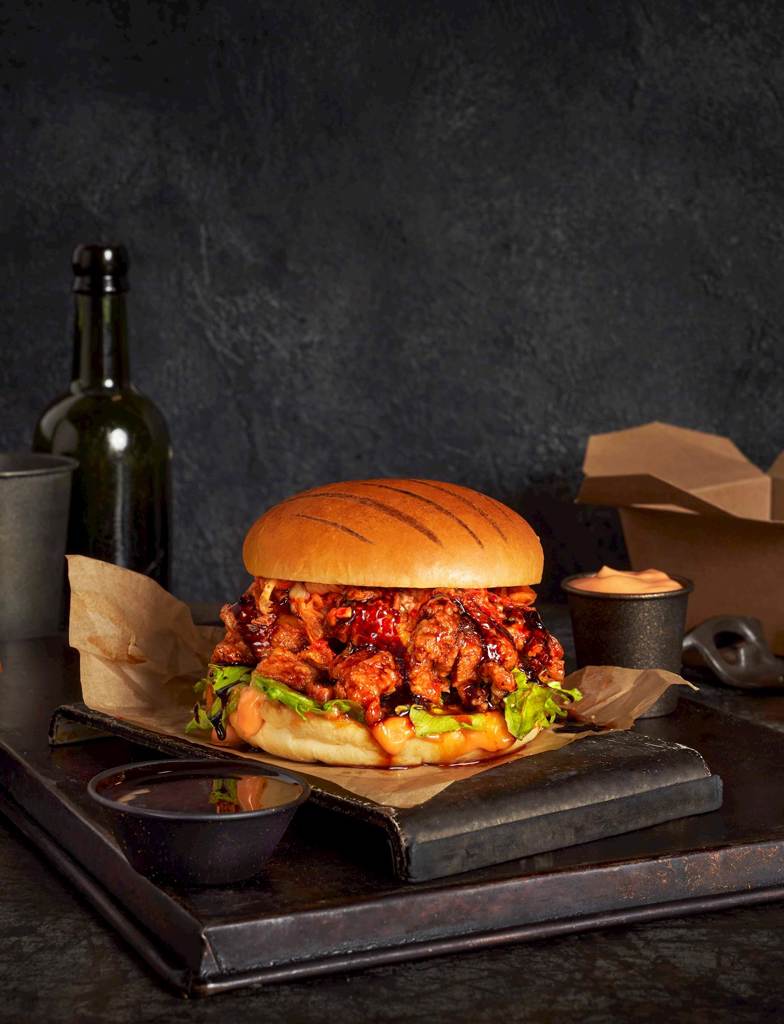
point(225, 680)
point(345, 707)
point(427, 724)
point(293, 699)
point(535, 705)
point(224, 676)
point(233, 704)
point(200, 722)
point(303, 705)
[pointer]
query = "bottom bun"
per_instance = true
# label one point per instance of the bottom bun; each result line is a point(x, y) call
point(277, 729)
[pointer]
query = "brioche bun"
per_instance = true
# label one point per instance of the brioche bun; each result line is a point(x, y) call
point(394, 533)
point(275, 728)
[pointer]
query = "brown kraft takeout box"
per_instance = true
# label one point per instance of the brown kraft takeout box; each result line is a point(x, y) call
point(693, 504)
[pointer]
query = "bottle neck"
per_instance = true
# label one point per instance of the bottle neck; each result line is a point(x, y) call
point(100, 335)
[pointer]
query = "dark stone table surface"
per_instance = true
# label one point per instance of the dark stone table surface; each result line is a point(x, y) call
point(60, 962)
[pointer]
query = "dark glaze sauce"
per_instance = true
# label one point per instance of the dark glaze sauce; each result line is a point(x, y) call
point(375, 624)
point(223, 698)
point(538, 641)
point(402, 696)
point(202, 794)
point(478, 693)
point(255, 634)
point(488, 629)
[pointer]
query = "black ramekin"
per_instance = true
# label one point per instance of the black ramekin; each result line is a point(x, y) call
point(195, 848)
point(630, 630)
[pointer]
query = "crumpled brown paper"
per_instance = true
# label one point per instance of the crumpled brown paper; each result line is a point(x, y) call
point(140, 655)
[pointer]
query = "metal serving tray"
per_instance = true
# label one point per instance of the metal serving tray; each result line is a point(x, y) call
point(327, 901)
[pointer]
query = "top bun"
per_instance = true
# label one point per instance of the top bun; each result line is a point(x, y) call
point(394, 533)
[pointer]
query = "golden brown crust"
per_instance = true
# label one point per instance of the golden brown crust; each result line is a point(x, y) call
point(394, 533)
point(275, 728)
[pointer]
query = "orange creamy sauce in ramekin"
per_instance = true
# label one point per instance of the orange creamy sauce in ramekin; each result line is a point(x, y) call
point(617, 581)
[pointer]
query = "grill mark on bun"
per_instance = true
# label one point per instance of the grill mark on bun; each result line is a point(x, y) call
point(503, 508)
point(433, 504)
point(475, 508)
point(381, 506)
point(338, 526)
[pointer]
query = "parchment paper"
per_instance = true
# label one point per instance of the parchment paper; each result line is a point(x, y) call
point(140, 654)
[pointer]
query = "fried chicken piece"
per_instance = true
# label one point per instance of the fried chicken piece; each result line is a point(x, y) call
point(247, 629)
point(475, 696)
point(487, 688)
point(555, 670)
point(365, 678)
point(232, 650)
point(469, 655)
point(464, 640)
point(500, 679)
point(319, 655)
point(289, 633)
point(408, 605)
point(464, 674)
point(433, 648)
point(539, 648)
point(497, 639)
point(519, 632)
point(287, 668)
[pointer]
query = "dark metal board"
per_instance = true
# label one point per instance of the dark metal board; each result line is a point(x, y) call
point(176, 973)
point(326, 900)
point(598, 787)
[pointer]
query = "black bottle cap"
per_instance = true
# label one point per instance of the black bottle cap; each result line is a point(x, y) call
point(100, 269)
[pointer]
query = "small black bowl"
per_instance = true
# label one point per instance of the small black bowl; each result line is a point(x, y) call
point(193, 846)
point(630, 630)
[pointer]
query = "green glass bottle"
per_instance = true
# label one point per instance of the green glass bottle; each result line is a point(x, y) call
point(121, 495)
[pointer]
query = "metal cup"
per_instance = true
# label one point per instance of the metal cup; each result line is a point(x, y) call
point(35, 491)
point(631, 630)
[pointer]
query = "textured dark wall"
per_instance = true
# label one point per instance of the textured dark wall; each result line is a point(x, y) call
point(392, 238)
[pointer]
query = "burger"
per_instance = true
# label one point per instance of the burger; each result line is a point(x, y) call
point(389, 623)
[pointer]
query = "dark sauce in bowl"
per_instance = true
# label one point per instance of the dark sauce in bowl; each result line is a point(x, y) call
point(211, 822)
point(191, 789)
point(195, 793)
